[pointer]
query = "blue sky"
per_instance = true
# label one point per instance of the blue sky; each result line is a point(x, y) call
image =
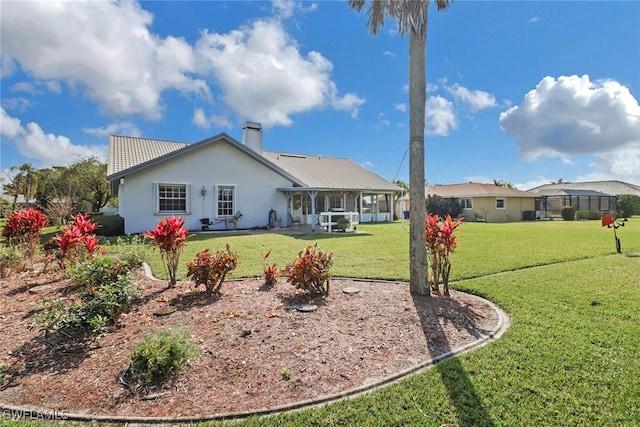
point(521, 91)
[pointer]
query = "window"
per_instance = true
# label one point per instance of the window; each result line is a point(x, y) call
point(172, 198)
point(226, 198)
point(466, 203)
point(501, 204)
point(335, 201)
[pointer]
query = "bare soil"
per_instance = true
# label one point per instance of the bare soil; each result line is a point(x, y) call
point(258, 351)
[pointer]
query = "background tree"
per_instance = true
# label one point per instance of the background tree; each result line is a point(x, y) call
point(501, 183)
point(25, 182)
point(412, 18)
point(89, 177)
point(628, 204)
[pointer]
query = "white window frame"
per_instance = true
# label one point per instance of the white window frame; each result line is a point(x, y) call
point(504, 203)
point(157, 186)
point(234, 200)
point(336, 197)
point(466, 203)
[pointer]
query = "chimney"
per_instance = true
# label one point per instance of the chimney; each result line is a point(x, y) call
point(252, 136)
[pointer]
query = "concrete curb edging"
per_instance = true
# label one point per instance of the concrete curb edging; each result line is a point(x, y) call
point(9, 412)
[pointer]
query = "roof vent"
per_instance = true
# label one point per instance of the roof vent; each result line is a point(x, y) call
point(252, 136)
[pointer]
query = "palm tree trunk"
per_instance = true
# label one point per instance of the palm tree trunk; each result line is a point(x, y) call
point(418, 273)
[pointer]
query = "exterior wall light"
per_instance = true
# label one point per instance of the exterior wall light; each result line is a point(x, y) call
point(203, 191)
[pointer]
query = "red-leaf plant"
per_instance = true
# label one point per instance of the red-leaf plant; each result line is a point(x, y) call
point(210, 269)
point(25, 227)
point(310, 270)
point(169, 237)
point(78, 235)
point(270, 272)
point(441, 242)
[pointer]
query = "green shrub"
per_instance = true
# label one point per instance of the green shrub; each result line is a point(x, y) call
point(583, 214)
point(437, 205)
point(131, 251)
point(310, 271)
point(628, 204)
point(568, 213)
point(109, 225)
point(9, 259)
point(97, 272)
point(163, 352)
point(106, 291)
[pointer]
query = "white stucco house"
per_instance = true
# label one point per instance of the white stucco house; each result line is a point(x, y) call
point(219, 177)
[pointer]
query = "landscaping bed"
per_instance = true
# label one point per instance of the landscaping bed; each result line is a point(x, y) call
point(259, 349)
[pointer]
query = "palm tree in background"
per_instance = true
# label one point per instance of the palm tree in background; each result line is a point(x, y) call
point(412, 18)
point(25, 182)
point(502, 183)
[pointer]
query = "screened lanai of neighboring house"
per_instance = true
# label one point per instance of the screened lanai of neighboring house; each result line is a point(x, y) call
point(552, 201)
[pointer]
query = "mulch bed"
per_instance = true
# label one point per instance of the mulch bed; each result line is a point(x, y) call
point(258, 350)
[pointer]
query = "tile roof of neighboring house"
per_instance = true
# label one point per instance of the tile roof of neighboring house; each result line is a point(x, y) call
point(128, 154)
point(324, 172)
point(613, 188)
point(474, 189)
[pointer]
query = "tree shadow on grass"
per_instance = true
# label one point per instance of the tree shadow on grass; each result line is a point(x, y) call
point(469, 408)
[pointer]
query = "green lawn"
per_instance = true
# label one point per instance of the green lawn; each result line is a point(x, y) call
point(571, 356)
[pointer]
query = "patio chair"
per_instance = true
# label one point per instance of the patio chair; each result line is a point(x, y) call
point(296, 220)
point(232, 220)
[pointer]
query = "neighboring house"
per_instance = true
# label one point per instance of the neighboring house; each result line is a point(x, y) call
point(220, 176)
point(490, 203)
point(594, 196)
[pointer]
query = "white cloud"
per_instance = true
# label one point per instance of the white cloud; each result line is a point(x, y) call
point(49, 149)
point(389, 54)
point(574, 116)
point(101, 49)
point(368, 164)
point(9, 126)
point(284, 9)
point(203, 121)
point(400, 106)
point(440, 116)
point(120, 128)
point(264, 76)
point(533, 183)
point(27, 87)
point(350, 102)
point(476, 99)
point(623, 165)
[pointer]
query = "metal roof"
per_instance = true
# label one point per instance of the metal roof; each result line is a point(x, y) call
point(326, 173)
point(126, 152)
point(129, 154)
